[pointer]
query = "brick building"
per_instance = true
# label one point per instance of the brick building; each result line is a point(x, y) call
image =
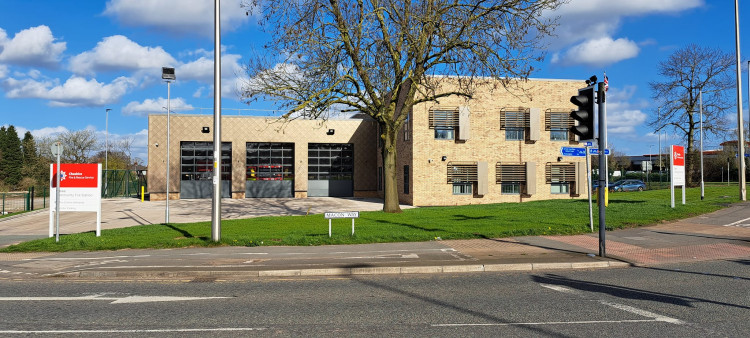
point(501, 146)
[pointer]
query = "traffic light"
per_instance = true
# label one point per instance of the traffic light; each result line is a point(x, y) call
point(585, 113)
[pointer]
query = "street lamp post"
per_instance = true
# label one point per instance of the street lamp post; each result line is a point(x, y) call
point(106, 151)
point(740, 132)
point(216, 202)
point(700, 96)
point(167, 74)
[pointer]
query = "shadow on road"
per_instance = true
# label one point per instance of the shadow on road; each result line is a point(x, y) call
point(626, 292)
point(536, 331)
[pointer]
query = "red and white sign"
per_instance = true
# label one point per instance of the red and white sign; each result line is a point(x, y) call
point(76, 175)
point(677, 165)
point(80, 189)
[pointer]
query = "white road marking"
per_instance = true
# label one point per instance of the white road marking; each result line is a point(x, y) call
point(82, 258)
point(552, 323)
point(115, 300)
point(626, 308)
point(643, 313)
point(219, 329)
point(738, 222)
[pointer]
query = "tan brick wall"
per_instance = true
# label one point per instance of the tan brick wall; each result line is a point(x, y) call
point(486, 143)
point(241, 129)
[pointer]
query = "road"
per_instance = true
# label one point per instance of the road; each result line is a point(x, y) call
point(693, 299)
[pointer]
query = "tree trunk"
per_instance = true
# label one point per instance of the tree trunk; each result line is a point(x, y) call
point(390, 184)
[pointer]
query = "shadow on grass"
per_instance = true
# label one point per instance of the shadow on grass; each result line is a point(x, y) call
point(181, 231)
point(474, 218)
point(611, 201)
point(410, 226)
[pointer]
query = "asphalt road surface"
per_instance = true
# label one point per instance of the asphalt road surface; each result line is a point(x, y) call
point(697, 299)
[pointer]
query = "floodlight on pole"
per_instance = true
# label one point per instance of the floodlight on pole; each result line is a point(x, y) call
point(740, 131)
point(167, 74)
point(216, 197)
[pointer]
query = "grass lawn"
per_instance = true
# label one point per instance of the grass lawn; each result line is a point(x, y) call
point(626, 209)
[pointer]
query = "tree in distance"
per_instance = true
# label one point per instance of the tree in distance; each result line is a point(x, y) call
point(687, 72)
point(381, 58)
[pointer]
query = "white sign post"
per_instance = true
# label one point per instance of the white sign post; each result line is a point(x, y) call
point(75, 187)
point(335, 215)
point(677, 171)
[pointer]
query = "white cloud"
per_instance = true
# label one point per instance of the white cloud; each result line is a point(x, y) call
point(118, 52)
point(202, 70)
point(180, 17)
point(590, 19)
point(33, 46)
point(3, 71)
point(76, 91)
point(47, 131)
point(159, 105)
point(624, 114)
point(598, 52)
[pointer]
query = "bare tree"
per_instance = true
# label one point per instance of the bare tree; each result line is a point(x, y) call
point(78, 146)
point(379, 57)
point(687, 72)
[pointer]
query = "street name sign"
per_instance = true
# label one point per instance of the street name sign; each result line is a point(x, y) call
point(595, 151)
point(337, 215)
point(573, 151)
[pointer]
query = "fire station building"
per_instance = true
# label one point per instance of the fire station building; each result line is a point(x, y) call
point(503, 145)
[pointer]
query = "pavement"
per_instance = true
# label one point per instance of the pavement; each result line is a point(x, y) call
point(722, 235)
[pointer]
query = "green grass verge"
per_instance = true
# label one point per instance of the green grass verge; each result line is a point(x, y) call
point(626, 209)
point(13, 213)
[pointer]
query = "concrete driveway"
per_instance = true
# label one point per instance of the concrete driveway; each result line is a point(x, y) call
point(125, 212)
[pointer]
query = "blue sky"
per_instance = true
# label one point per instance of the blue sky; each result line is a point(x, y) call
point(62, 63)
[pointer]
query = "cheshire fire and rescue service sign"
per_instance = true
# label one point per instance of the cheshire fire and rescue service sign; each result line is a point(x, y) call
point(678, 165)
point(80, 190)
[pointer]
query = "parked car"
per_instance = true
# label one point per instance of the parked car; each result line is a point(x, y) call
point(628, 185)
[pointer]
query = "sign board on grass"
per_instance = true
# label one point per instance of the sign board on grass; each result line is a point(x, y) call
point(677, 170)
point(80, 189)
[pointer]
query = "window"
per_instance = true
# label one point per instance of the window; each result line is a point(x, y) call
point(560, 176)
point(558, 122)
point(444, 122)
point(511, 188)
point(514, 121)
point(514, 134)
point(558, 134)
point(462, 175)
point(444, 133)
point(269, 161)
point(406, 179)
point(197, 158)
point(560, 188)
point(511, 177)
point(380, 178)
point(462, 188)
point(407, 127)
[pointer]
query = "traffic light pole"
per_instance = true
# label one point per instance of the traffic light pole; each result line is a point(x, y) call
point(602, 167)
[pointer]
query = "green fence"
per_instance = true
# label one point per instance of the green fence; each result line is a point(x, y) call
point(122, 183)
point(34, 198)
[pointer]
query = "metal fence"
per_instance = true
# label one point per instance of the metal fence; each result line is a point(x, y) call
point(34, 198)
point(122, 183)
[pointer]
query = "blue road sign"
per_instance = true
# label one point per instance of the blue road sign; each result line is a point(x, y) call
point(595, 151)
point(573, 151)
point(738, 155)
point(589, 144)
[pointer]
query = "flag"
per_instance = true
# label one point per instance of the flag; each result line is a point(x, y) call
point(606, 82)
